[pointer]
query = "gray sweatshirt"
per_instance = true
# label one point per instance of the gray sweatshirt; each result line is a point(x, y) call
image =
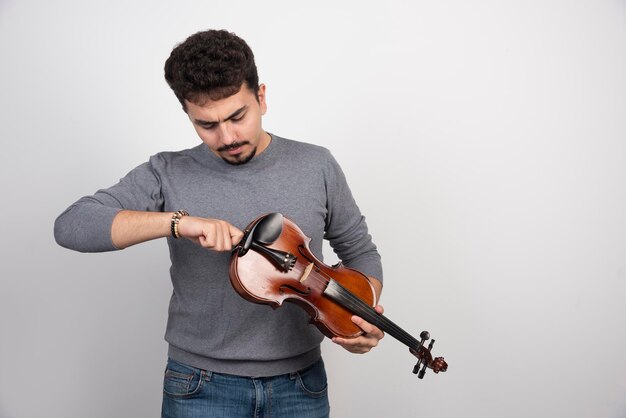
point(209, 325)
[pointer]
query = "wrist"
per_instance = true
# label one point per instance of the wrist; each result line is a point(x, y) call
point(175, 220)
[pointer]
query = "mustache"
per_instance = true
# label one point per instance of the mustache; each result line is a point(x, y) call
point(233, 146)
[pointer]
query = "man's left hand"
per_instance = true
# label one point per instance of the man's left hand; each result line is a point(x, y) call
point(364, 343)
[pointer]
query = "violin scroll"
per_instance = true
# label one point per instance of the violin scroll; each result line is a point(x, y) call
point(425, 358)
point(439, 365)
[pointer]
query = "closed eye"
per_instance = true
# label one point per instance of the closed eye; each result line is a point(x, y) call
point(236, 116)
point(208, 126)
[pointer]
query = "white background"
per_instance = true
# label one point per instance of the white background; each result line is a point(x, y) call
point(483, 140)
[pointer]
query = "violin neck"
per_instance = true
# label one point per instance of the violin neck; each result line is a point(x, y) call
point(345, 298)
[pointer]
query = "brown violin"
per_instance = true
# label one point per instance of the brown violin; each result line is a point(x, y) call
point(273, 263)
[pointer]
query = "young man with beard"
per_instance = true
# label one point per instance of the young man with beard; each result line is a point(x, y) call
point(227, 356)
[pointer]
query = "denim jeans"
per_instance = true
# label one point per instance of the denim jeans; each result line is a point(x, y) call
point(189, 392)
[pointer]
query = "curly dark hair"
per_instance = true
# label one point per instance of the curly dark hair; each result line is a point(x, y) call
point(211, 65)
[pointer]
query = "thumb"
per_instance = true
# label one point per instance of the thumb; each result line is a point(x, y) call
point(235, 234)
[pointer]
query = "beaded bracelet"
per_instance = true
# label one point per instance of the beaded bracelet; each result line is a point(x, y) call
point(175, 219)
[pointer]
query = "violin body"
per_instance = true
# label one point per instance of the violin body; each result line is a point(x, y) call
point(260, 281)
point(273, 264)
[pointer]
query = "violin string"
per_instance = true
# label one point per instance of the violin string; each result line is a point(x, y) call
point(356, 305)
point(351, 302)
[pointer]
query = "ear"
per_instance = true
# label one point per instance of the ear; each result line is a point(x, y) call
point(261, 97)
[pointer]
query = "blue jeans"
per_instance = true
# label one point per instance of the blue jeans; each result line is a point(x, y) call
point(189, 392)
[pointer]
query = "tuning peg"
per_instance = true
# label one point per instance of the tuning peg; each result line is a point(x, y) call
point(417, 366)
point(423, 371)
point(424, 335)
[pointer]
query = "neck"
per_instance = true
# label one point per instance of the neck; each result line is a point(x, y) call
point(264, 142)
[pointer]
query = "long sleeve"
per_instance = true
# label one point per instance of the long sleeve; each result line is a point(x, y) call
point(300, 180)
point(346, 229)
point(86, 225)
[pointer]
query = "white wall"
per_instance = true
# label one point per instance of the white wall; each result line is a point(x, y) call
point(484, 140)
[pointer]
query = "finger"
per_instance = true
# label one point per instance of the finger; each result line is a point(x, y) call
point(235, 235)
point(365, 341)
point(226, 241)
point(205, 241)
point(353, 345)
point(210, 237)
point(368, 328)
point(231, 235)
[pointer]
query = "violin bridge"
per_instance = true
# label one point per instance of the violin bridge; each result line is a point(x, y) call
point(306, 272)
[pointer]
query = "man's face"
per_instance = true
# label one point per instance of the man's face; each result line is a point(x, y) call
point(231, 127)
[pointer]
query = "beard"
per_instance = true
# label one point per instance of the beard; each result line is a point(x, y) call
point(237, 159)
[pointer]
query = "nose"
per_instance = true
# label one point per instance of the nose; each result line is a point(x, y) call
point(227, 135)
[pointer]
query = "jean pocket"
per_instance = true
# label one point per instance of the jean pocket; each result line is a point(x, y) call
point(181, 381)
point(312, 380)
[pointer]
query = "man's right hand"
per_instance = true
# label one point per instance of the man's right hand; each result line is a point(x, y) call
point(213, 234)
point(132, 227)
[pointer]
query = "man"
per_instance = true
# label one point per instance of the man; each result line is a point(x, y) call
point(227, 356)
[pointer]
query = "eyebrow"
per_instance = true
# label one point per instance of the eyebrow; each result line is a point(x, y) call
point(232, 115)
